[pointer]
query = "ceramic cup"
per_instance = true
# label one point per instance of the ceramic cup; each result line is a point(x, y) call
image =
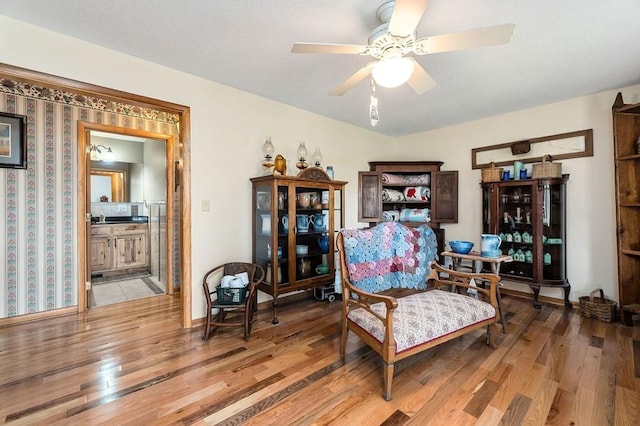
point(304, 199)
point(282, 198)
point(322, 269)
point(302, 222)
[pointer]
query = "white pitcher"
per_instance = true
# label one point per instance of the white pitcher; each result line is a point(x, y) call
point(266, 223)
point(490, 245)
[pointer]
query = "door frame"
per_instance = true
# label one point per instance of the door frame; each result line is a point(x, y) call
point(84, 179)
point(84, 226)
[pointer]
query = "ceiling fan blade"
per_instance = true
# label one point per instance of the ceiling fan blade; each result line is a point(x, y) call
point(406, 16)
point(480, 37)
point(420, 80)
point(355, 78)
point(328, 48)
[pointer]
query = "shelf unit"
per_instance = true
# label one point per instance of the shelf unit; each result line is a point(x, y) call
point(442, 203)
point(529, 215)
point(626, 132)
point(290, 211)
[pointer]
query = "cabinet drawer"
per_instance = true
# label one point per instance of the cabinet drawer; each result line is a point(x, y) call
point(128, 229)
point(100, 230)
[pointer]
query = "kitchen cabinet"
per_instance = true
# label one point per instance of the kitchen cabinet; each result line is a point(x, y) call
point(410, 192)
point(294, 223)
point(100, 253)
point(529, 215)
point(626, 139)
point(118, 248)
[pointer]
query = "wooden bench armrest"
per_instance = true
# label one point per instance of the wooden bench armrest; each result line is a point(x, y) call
point(443, 277)
point(365, 299)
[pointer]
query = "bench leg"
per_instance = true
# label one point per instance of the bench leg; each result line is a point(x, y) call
point(343, 338)
point(492, 330)
point(388, 378)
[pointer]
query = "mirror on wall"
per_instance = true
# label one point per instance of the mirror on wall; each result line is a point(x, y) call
point(136, 174)
point(108, 186)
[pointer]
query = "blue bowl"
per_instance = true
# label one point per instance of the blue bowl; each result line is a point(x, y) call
point(461, 247)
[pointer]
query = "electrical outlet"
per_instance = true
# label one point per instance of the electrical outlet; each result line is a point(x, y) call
point(205, 205)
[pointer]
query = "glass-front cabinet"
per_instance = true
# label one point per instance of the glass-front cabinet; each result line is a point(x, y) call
point(529, 215)
point(295, 222)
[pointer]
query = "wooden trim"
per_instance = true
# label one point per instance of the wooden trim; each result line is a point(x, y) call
point(21, 319)
point(588, 149)
point(62, 83)
point(184, 113)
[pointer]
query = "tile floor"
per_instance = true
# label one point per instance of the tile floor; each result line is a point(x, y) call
point(106, 293)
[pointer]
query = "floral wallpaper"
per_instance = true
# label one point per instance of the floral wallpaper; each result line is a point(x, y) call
point(38, 206)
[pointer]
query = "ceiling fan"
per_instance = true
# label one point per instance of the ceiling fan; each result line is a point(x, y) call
point(395, 38)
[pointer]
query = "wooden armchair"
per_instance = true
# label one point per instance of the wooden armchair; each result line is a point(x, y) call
point(243, 311)
point(398, 327)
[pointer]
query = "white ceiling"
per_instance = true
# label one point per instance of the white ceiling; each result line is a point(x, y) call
point(560, 49)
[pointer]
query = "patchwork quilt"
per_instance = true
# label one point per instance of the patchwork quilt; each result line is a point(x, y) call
point(389, 255)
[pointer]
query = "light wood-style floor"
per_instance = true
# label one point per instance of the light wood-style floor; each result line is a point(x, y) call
point(132, 363)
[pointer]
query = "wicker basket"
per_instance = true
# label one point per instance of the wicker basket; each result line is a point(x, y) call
point(547, 169)
point(599, 308)
point(231, 295)
point(492, 173)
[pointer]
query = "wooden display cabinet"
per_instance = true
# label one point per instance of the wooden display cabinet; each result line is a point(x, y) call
point(626, 136)
point(295, 219)
point(442, 204)
point(529, 215)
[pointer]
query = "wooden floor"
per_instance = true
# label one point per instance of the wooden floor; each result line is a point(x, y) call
point(133, 364)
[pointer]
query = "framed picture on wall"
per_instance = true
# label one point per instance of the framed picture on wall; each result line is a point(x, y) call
point(13, 141)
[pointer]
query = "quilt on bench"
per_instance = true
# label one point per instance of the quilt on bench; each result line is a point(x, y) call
point(389, 255)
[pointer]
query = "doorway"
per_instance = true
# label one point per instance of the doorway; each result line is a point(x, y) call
point(128, 238)
point(128, 213)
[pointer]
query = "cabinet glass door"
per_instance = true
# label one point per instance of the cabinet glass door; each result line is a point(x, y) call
point(516, 229)
point(486, 210)
point(312, 227)
point(264, 229)
point(553, 232)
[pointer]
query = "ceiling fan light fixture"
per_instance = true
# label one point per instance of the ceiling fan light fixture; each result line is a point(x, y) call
point(392, 72)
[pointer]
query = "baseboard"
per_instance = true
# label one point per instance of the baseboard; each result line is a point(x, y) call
point(20, 319)
point(529, 296)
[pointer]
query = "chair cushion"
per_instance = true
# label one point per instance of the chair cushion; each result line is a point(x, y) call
point(389, 255)
point(424, 316)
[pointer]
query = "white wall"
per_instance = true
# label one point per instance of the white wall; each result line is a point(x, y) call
point(591, 239)
point(228, 128)
point(155, 170)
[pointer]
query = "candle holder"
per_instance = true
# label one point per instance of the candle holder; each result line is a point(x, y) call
point(302, 157)
point(268, 149)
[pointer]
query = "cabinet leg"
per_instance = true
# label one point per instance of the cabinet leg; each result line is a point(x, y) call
point(536, 294)
point(275, 311)
point(567, 289)
point(626, 317)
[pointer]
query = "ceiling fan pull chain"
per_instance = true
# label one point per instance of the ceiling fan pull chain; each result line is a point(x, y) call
point(373, 108)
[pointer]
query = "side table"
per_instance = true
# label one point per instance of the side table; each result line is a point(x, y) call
point(474, 257)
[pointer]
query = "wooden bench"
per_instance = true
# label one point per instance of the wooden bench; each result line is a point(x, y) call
point(389, 256)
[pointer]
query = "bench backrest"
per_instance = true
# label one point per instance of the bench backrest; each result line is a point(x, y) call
point(389, 255)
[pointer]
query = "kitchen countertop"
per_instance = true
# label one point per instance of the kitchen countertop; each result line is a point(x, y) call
point(110, 220)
